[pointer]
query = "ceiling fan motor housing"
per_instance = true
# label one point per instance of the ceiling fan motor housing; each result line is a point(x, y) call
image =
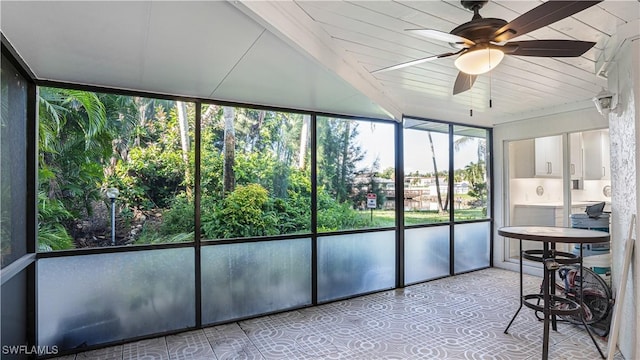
point(479, 31)
point(473, 5)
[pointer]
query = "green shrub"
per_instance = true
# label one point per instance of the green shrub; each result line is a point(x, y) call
point(52, 234)
point(179, 218)
point(151, 178)
point(333, 216)
point(294, 214)
point(243, 213)
point(53, 237)
point(152, 236)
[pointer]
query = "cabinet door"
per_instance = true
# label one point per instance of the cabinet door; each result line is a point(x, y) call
point(521, 158)
point(575, 155)
point(548, 156)
point(524, 215)
point(596, 155)
point(606, 156)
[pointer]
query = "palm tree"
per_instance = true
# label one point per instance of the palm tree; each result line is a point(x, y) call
point(441, 207)
point(477, 171)
point(481, 150)
point(58, 108)
point(72, 139)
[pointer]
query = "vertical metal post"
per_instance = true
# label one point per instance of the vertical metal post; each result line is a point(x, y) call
point(546, 300)
point(113, 221)
point(399, 204)
point(197, 241)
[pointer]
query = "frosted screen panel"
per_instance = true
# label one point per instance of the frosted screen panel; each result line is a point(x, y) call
point(355, 263)
point(426, 252)
point(13, 156)
point(471, 246)
point(93, 299)
point(14, 313)
point(240, 280)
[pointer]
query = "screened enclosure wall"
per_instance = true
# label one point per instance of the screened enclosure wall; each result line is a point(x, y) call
point(356, 173)
point(447, 208)
point(245, 279)
point(17, 261)
point(472, 247)
point(94, 299)
point(255, 172)
point(289, 210)
point(426, 253)
point(160, 214)
point(114, 170)
point(14, 325)
point(355, 264)
point(13, 173)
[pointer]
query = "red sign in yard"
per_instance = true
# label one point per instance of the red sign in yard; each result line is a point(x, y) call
point(371, 201)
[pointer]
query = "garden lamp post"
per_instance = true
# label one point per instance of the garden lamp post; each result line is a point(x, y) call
point(112, 194)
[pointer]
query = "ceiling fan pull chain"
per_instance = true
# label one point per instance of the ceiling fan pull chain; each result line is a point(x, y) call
point(490, 82)
point(470, 99)
point(490, 95)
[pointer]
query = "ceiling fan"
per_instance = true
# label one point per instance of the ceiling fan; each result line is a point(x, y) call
point(482, 42)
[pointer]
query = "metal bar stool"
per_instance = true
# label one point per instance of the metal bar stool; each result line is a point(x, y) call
point(547, 302)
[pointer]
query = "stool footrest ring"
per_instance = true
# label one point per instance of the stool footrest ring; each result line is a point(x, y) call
point(559, 305)
point(561, 257)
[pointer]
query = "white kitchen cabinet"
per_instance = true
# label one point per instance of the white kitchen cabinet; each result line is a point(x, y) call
point(548, 156)
point(536, 215)
point(539, 157)
point(575, 155)
point(521, 158)
point(551, 214)
point(596, 155)
point(543, 214)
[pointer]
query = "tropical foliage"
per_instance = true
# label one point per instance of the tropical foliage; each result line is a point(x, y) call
point(255, 174)
point(255, 171)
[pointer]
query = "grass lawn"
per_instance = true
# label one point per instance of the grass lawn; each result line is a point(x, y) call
point(386, 218)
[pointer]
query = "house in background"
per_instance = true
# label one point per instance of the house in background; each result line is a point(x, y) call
point(318, 57)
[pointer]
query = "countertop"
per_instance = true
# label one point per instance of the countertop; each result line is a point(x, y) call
point(559, 204)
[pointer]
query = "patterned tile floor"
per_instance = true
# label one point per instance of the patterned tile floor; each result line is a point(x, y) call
point(461, 317)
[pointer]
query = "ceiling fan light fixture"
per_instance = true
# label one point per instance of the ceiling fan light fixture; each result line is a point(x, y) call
point(479, 61)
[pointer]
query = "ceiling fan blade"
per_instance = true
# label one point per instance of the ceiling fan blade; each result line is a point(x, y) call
point(463, 82)
point(415, 62)
point(442, 36)
point(540, 16)
point(548, 48)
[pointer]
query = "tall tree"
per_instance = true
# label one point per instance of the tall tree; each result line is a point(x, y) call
point(338, 157)
point(183, 124)
point(208, 115)
point(254, 131)
point(481, 148)
point(343, 187)
point(304, 137)
point(442, 207)
point(142, 105)
point(228, 175)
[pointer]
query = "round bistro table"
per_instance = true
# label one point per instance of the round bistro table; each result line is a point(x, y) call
point(552, 305)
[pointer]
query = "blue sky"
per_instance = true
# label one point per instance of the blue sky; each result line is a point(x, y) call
point(377, 139)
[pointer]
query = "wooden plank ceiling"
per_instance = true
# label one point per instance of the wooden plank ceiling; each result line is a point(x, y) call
point(309, 55)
